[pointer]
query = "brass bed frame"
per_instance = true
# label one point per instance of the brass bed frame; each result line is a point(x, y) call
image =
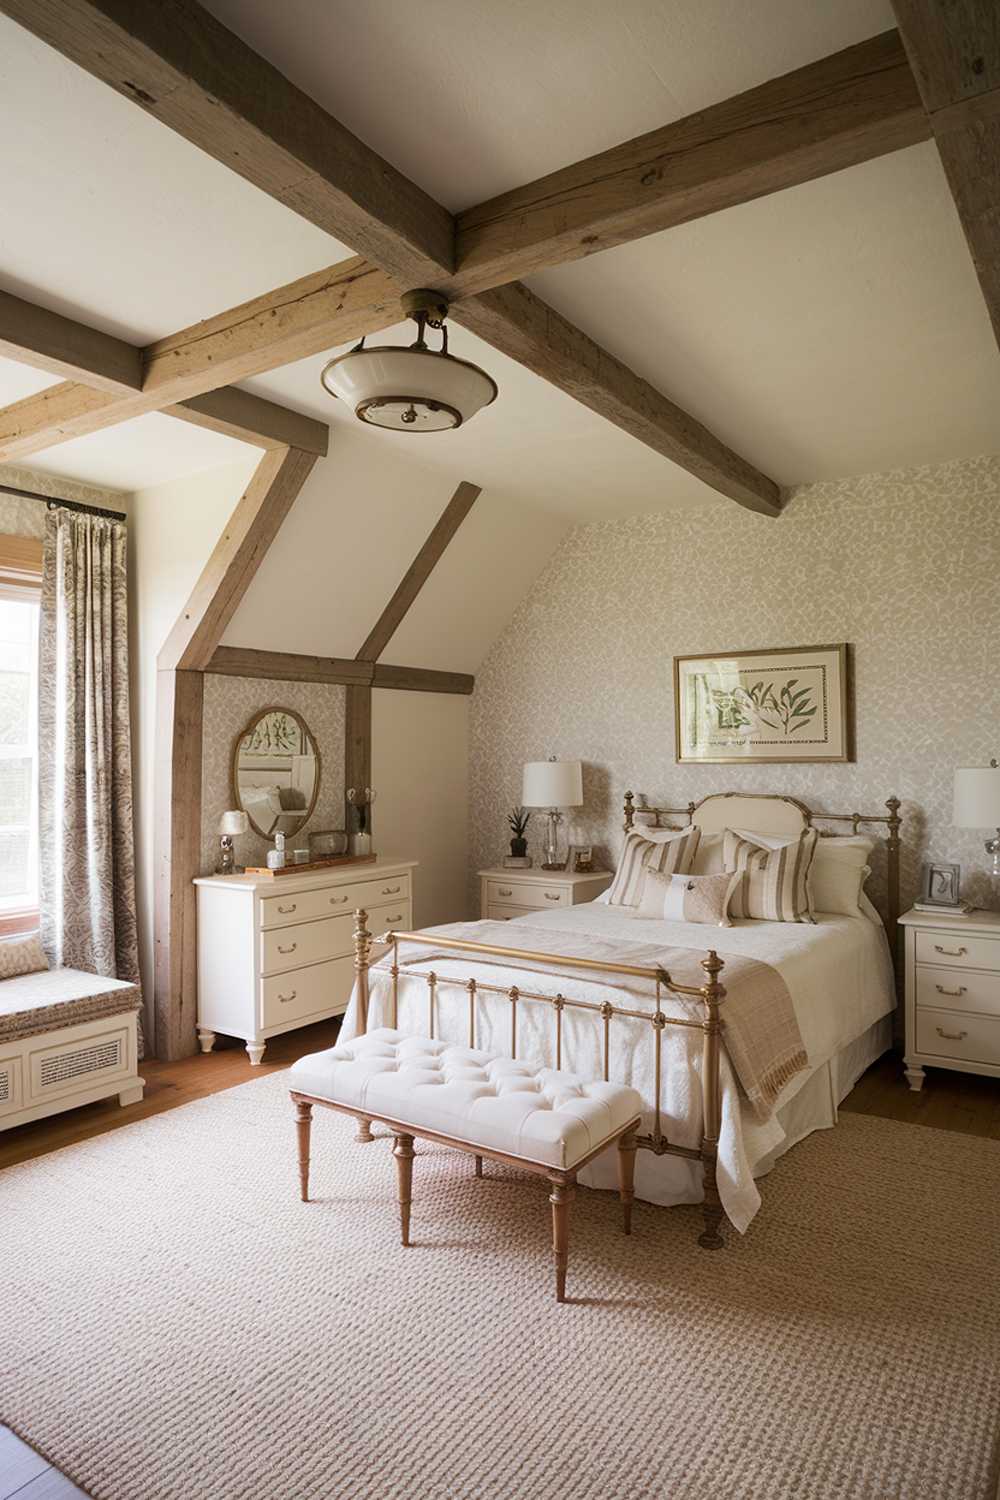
point(710, 995)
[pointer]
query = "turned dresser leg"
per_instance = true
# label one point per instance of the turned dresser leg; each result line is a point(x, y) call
point(206, 1040)
point(915, 1076)
point(303, 1129)
point(560, 1198)
point(402, 1150)
point(255, 1052)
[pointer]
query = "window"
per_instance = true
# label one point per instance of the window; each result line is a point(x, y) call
point(20, 590)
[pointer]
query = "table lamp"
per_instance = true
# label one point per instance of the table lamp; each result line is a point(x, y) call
point(552, 784)
point(231, 825)
point(977, 805)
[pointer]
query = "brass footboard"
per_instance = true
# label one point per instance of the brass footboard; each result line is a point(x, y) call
point(710, 995)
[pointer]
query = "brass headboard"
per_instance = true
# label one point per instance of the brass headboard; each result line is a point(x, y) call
point(890, 819)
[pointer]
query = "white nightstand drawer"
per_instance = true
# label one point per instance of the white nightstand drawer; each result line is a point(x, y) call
point(942, 1033)
point(320, 988)
point(503, 913)
point(524, 893)
point(960, 950)
point(958, 989)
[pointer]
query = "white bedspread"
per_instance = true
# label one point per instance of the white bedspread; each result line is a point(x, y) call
point(838, 973)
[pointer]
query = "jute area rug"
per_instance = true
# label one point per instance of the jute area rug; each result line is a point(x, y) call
point(174, 1323)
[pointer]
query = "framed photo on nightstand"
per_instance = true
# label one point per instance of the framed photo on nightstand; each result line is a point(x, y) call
point(940, 884)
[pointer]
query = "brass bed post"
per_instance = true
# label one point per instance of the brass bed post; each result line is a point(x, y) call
point(394, 971)
point(712, 994)
point(894, 843)
point(362, 959)
point(629, 810)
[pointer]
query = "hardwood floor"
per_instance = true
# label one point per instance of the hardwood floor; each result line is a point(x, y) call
point(964, 1102)
point(24, 1473)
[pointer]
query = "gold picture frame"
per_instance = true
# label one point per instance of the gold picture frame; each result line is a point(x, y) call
point(761, 707)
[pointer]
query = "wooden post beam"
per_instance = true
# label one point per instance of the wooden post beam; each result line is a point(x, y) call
point(419, 571)
point(238, 554)
point(177, 858)
point(954, 49)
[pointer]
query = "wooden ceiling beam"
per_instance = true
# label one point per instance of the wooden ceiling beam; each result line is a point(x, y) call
point(419, 571)
point(251, 419)
point(289, 666)
point(831, 114)
point(48, 341)
point(305, 317)
point(954, 50)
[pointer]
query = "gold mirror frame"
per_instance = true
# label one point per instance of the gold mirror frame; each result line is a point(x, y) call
point(308, 738)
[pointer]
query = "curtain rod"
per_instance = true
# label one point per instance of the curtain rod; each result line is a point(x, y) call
point(54, 503)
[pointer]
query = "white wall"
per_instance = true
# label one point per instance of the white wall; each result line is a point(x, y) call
point(173, 530)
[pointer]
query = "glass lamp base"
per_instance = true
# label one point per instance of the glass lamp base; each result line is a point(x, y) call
point(551, 860)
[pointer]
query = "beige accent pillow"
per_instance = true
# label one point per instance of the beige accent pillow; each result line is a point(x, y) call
point(688, 898)
point(838, 874)
point(775, 882)
point(708, 860)
point(671, 853)
point(22, 955)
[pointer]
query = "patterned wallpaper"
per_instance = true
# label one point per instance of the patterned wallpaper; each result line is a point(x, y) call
point(230, 703)
point(902, 565)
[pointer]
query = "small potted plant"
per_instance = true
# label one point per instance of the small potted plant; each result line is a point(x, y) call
point(518, 821)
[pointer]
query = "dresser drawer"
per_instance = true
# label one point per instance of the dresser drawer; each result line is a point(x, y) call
point(958, 950)
point(504, 913)
point(306, 943)
point(521, 893)
point(319, 989)
point(958, 989)
point(942, 1033)
point(394, 916)
point(307, 906)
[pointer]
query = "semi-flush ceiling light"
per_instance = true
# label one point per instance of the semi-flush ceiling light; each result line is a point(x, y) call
point(411, 389)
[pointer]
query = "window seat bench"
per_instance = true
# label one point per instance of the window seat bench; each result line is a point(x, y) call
point(66, 1038)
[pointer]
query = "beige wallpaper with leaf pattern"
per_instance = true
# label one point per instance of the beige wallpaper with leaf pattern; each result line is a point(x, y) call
point(902, 565)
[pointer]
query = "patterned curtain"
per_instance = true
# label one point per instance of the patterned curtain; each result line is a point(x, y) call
point(87, 859)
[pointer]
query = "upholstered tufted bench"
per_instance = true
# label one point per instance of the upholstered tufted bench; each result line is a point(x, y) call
point(543, 1121)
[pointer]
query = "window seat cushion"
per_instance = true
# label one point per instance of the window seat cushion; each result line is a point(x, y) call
point(31, 1004)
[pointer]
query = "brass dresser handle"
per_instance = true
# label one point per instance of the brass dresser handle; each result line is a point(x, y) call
point(397, 918)
point(287, 950)
point(952, 1036)
point(502, 892)
point(951, 952)
point(337, 900)
point(285, 998)
point(549, 896)
point(286, 909)
point(942, 991)
point(390, 890)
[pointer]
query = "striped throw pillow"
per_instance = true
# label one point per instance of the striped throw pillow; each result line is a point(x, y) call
point(774, 887)
point(670, 855)
point(688, 898)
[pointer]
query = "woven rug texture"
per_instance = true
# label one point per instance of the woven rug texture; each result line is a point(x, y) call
point(176, 1325)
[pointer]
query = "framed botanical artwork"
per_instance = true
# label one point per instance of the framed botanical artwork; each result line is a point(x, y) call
point(789, 704)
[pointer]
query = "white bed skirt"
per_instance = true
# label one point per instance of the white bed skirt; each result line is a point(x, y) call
point(812, 1105)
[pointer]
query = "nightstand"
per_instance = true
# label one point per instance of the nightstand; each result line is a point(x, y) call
point(512, 893)
point(952, 993)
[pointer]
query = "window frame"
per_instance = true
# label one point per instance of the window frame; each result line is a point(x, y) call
point(20, 579)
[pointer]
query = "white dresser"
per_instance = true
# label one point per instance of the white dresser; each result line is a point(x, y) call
point(277, 953)
point(512, 893)
point(952, 993)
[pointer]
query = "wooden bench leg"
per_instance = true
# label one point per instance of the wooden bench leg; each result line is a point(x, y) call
point(626, 1176)
point(303, 1129)
point(479, 1166)
point(402, 1150)
point(364, 1132)
point(560, 1198)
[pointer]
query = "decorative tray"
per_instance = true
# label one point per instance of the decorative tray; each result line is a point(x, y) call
point(333, 863)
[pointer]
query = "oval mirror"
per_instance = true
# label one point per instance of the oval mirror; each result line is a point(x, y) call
point(276, 772)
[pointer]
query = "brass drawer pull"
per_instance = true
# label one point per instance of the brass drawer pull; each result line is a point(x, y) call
point(942, 991)
point(951, 952)
point(391, 890)
point(338, 900)
point(287, 950)
point(286, 998)
point(502, 892)
point(952, 1036)
point(397, 918)
point(285, 910)
point(550, 897)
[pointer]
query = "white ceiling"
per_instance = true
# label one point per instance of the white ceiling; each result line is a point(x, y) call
point(829, 330)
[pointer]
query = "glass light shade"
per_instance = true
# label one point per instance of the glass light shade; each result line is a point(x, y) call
point(552, 783)
point(408, 389)
point(977, 797)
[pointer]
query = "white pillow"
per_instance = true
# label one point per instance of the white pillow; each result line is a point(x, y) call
point(839, 870)
point(688, 898)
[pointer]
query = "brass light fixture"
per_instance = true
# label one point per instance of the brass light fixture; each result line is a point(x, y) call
point(411, 388)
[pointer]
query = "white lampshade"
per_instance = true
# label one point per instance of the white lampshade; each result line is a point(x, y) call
point(409, 390)
point(552, 783)
point(233, 823)
point(977, 797)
